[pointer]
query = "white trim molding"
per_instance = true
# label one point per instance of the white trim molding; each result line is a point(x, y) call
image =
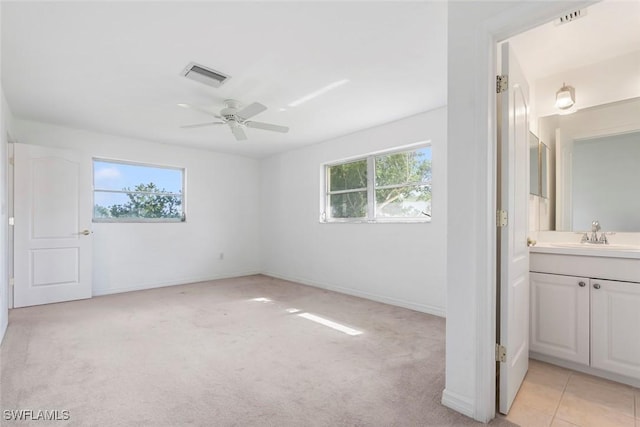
point(459, 403)
point(185, 281)
point(423, 308)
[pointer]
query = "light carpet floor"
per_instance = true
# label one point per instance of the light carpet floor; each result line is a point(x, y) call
point(209, 354)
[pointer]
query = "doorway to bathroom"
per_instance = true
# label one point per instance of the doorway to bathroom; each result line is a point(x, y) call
point(594, 64)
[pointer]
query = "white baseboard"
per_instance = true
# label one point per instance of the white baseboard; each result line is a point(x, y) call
point(3, 330)
point(459, 403)
point(145, 286)
point(423, 308)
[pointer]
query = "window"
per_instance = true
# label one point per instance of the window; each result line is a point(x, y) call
point(348, 189)
point(129, 192)
point(393, 186)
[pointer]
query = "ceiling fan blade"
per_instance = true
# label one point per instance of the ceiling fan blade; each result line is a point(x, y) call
point(267, 126)
point(200, 109)
point(251, 110)
point(198, 125)
point(238, 132)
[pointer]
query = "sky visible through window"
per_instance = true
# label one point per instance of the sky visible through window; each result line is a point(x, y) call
point(426, 152)
point(117, 176)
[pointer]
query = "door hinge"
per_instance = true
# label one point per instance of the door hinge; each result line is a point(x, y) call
point(12, 221)
point(502, 83)
point(12, 281)
point(11, 161)
point(502, 219)
point(501, 353)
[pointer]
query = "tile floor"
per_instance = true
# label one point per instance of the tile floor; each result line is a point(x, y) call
point(558, 397)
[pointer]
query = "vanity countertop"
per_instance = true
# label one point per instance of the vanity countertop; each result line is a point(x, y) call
point(586, 249)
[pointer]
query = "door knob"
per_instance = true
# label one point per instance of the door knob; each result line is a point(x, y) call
point(85, 232)
point(596, 286)
point(582, 284)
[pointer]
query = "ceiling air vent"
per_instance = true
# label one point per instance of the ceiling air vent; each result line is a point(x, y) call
point(205, 75)
point(571, 16)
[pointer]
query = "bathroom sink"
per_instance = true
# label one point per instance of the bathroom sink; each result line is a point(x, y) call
point(612, 250)
point(610, 246)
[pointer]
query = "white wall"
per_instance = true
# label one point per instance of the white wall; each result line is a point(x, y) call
point(473, 30)
point(607, 81)
point(403, 264)
point(470, 153)
point(221, 206)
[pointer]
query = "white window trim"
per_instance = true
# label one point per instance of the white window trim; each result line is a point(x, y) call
point(371, 188)
point(183, 170)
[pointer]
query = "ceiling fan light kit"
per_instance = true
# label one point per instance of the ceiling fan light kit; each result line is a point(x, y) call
point(237, 118)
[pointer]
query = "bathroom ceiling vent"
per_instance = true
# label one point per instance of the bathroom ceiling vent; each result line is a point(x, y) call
point(571, 16)
point(205, 75)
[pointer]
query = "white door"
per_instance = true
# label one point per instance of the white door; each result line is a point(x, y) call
point(513, 116)
point(52, 237)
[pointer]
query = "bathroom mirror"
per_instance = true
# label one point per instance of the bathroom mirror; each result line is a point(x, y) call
point(543, 152)
point(597, 174)
point(606, 182)
point(538, 167)
point(534, 165)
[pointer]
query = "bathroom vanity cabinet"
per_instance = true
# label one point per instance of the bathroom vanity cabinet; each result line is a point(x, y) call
point(587, 319)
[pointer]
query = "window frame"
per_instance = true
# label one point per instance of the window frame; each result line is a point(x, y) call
point(329, 193)
point(371, 217)
point(183, 171)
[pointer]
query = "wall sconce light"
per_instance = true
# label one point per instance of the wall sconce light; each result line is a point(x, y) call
point(565, 97)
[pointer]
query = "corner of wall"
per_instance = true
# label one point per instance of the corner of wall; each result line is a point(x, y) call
point(296, 246)
point(5, 125)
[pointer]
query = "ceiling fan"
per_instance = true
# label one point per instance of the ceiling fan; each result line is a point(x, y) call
point(236, 118)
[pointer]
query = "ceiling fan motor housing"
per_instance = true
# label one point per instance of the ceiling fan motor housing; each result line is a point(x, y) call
point(229, 112)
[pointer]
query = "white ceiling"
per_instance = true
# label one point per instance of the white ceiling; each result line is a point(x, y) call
point(114, 67)
point(609, 29)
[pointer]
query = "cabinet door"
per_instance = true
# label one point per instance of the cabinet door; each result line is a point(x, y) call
point(560, 316)
point(615, 327)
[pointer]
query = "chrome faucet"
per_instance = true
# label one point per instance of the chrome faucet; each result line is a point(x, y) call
point(595, 227)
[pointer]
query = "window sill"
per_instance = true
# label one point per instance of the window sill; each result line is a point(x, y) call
point(139, 221)
point(376, 221)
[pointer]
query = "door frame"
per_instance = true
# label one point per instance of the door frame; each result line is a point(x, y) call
point(515, 19)
point(10, 213)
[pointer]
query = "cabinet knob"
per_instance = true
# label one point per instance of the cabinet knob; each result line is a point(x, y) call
point(596, 286)
point(582, 284)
